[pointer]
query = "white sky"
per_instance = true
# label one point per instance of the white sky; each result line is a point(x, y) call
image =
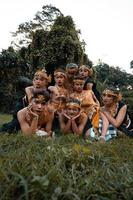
point(106, 25)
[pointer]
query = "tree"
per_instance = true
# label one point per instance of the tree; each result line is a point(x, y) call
point(112, 76)
point(58, 46)
point(131, 64)
point(42, 20)
point(8, 63)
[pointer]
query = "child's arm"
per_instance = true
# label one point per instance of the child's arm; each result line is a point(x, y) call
point(78, 129)
point(52, 90)
point(120, 116)
point(29, 93)
point(95, 99)
point(25, 127)
point(65, 127)
point(48, 127)
point(105, 123)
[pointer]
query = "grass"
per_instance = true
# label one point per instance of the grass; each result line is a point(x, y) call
point(65, 168)
point(5, 118)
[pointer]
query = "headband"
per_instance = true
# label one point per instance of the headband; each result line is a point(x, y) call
point(42, 74)
point(78, 81)
point(59, 73)
point(71, 65)
point(73, 105)
point(90, 70)
point(110, 92)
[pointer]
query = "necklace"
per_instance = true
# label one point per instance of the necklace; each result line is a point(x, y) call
point(80, 96)
point(113, 109)
point(61, 90)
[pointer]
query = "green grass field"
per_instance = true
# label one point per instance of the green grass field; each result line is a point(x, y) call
point(5, 118)
point(65, 168)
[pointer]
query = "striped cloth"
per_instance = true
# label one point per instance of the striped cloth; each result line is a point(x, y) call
point(111, 132)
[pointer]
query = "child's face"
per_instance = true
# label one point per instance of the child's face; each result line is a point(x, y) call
point(72, 111)
point(39, 82)
point(83, 72)
point(78, 87)
point(38, 104)
point(107, 99)
point(59, 80)
point(71, 72)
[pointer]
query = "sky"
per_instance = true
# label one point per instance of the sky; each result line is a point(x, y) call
point(106, 25)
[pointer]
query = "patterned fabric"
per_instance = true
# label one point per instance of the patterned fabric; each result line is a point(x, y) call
point(111, 132)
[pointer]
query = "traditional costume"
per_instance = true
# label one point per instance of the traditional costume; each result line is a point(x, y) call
point(81, 117)
point(71, 71)
point(88, 105)
point(127, 124)
point(58, 93)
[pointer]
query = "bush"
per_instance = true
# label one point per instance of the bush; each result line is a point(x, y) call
point(66, 168)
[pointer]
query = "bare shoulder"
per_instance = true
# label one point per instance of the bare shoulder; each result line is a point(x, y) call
point(29, 88)
point(48, 112)
point(51, 88)
point(83, 115)
point(21, 113)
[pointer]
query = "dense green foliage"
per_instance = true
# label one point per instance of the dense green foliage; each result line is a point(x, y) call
point(58, 46)
point(43, 20)
point(113, 76)
point(65, 168)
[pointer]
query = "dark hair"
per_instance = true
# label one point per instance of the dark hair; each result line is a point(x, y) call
point(89, 80)
point(42, 92)
point(117, 95)
point(69, 65)
point(78, 77)
point(94, 89)
point(113, 89)
point(72, 100)
point(59, 70)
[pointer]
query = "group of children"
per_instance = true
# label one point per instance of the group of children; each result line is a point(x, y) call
point(71, 105)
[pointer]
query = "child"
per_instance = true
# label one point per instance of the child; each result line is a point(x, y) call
point(89, 103)
point(71, 71)
point(91, 85)
point(36, 117)
point(116, 114)
point(40, 81)
point(85, 71)
point(72, 120)
point(58, 91)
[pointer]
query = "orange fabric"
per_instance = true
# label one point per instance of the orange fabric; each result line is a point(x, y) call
point(95, 119)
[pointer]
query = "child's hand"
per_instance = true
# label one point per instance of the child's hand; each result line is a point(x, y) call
point(75, 117)
point(66, 116)
point(31, 113)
